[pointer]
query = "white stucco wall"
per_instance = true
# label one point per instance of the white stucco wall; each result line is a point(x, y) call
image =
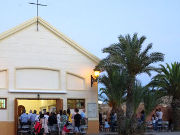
point(43, 49)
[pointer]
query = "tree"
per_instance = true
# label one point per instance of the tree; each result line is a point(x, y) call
point(168, 80)
point(115, 82)
point(128, 54)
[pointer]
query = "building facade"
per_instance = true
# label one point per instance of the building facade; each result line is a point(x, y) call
point(44, 70)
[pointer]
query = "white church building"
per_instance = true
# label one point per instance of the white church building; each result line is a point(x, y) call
point(45, 71)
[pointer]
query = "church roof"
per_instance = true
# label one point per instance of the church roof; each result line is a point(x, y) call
point(53, 30)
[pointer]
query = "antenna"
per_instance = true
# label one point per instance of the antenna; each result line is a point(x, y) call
point(37, 4)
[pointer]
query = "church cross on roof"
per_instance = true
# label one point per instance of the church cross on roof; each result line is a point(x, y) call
point(37, 4)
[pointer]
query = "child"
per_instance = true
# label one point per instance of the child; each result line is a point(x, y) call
point(65, 130)
point(106, 125)
point(37, 127)
point(154, 121)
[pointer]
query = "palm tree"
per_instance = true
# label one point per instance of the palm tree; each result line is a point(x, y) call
point(168, 80)
point(115, 82)
point(128, 54)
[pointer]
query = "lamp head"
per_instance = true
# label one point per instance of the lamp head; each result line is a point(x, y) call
point(96, 73)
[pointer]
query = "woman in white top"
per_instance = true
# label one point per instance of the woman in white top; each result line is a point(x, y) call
point(59, 121)
point(160, 115)
point(44, 123)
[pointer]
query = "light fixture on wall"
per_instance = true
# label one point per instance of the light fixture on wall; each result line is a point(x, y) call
point(94, 79)
point(38, 96)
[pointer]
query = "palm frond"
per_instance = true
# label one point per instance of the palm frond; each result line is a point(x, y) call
point(168, 79)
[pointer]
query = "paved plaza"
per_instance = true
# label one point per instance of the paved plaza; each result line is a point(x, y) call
point(163, 133)
point(148, 133)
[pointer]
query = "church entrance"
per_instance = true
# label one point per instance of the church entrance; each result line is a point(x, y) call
point(43, 105)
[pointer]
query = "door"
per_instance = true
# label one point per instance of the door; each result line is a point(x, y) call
point(59, 105)
point(20, 110)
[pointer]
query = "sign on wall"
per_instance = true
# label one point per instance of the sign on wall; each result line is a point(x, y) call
point(92, 110)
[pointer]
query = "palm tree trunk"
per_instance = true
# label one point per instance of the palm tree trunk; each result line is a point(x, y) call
point(121, 120)
point(114, 108)
point(176, 113)
point(130, 105)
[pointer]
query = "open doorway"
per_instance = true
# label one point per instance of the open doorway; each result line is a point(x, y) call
point(38, 105)
point(43, 105)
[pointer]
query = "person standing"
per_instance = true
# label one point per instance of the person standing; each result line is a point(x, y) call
point(115, 119)
point(100, 122)
point(29, 116)
point(157, 112)
point(69, 116)
point(160, 116)
point(112, 121)
point(52, 120)
point(83, 115)
point(59, 121)
point(44, 123)
point(32, 119)
point(106, 126)
point(46, 115)
point(23, 118)
point(63, 120)
point(154, 121)
point(100, 118)
point(142, 116)
point(77, 119)
point(65, 130)
point(73, 114)
point(38, 116)
point(104, 116)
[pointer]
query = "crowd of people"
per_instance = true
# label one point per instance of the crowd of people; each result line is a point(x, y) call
point(108, 122)
point(44, 122)
point(156, 118)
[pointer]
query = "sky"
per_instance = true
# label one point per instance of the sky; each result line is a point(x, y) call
point(96, 24)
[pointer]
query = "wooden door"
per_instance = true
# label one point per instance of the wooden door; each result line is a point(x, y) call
point(59, 105)
point(20, 110)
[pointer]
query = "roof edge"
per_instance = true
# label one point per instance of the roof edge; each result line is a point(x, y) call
point(17, 28)
point(52, 29)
